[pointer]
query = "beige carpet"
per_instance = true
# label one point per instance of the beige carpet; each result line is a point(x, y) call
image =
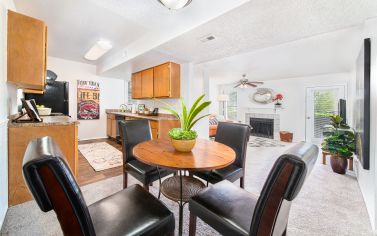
point(329, 204)
point(101, 156)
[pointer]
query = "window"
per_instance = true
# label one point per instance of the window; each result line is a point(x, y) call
point(325, 104)
point(232, 106)
point(130, 100)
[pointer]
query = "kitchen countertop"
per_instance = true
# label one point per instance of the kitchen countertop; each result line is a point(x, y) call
point(129, 114)
point(47, 121)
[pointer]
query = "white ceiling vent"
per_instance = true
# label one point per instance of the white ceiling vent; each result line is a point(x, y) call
point(207, 38)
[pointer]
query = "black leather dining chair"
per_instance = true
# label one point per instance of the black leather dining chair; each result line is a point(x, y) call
point(233, 211)
point(133, 132)
point(236, 136)
point(132, 211)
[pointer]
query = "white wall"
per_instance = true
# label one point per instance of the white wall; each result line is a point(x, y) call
point(292, 116)
point(5, 108)
point(112, 93)
point(368, 178)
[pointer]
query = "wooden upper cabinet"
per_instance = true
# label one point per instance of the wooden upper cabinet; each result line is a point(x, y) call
point(161, 81)
point(27, 51)
point(167, 80)
point(147, 83)
point(136, 85)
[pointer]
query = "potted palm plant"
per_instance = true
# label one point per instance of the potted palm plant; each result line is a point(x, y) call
point(183, 139)
point(339, 142)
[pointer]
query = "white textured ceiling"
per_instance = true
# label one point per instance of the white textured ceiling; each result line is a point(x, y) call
point(328, 53)
point(75, 25)
point(264, 23)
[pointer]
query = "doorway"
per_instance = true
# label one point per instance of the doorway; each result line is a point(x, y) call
point(321, 102)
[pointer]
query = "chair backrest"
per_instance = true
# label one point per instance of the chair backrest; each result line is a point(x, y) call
point(54, 187)
point(236, 136)
point(133, 132)
point(283, 184)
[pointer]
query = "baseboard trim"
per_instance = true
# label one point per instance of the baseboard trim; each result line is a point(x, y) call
point(4, 198)
point(86, 139)
point(3, 213)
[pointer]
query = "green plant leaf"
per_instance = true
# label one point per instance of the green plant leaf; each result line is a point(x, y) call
point(184, 115)
point(187, 117)
point(193, 123)
point(195, 105)
point(339, 138)
point(199, 109)
point(180, 134)
point(171, 110)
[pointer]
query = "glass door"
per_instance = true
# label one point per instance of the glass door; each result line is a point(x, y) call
point(321, 102)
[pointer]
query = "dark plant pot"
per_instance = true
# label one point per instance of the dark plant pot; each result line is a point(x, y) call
point(338, 164)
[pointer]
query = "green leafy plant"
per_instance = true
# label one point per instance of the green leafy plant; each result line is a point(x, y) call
point(339, 138)
point(179, 134)
point(188, 118)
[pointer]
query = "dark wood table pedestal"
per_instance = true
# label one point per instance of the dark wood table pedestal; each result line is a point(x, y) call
point(172, 188)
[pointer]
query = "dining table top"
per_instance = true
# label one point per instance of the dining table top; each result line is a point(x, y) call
point(206, 155)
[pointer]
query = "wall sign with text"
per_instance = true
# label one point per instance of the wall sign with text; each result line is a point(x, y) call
point(88, 100)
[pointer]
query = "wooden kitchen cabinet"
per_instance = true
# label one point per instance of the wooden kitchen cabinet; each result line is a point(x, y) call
point(136, 85)
point(167, 80)
point(162, 81)
point(147, 83)
point(19, 136)
point(111, 126)
point(159, 128)
point(27, 52)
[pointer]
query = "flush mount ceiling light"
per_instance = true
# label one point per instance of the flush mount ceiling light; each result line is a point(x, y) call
point(98, 50)
point(175, 4)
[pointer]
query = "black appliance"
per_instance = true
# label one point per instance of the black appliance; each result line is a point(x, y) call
point(55, 96)
point(343, 110)
point(362, 102)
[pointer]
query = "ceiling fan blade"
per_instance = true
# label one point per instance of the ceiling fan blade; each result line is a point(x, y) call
point(250, 84)
point(238, 85)
point(256, 82)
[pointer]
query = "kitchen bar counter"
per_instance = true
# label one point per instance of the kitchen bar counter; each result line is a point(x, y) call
point(62, 129)
point(47, 121)
point(129, 114)
point(160, 124)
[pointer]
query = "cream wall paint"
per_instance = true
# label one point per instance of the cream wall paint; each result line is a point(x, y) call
point(292, 116)
point(112, 93)
point(5, 108)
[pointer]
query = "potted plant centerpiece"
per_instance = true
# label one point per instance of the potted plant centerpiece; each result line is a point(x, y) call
point(339, 142)
point(183, 139)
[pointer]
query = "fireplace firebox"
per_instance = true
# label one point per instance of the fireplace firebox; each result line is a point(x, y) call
point(262, 127)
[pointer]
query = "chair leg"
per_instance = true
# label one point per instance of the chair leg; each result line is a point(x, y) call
point(125, 179)
point(242, 182)
point(146, 187)
point(192, 225)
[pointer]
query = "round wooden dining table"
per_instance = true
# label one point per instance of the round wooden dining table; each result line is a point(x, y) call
point(206, 156)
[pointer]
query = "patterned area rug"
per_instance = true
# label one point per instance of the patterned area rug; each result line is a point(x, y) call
point(265, 142)
point(101, 156)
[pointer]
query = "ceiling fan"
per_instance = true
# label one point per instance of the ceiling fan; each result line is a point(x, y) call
point(245, 83)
